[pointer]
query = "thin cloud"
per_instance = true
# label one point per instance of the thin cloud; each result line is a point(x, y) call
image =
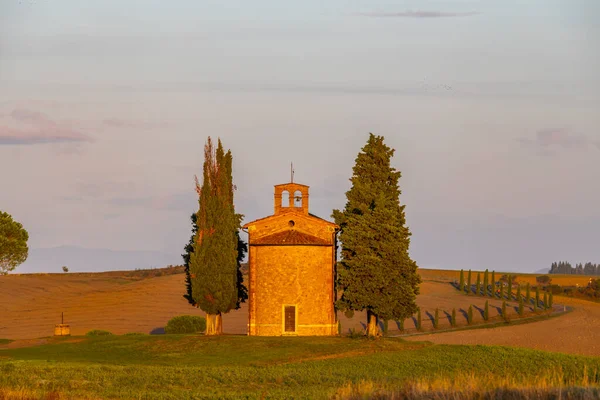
point(121, 123)
point(419, 14)
point(548, 139)
point(40, 129)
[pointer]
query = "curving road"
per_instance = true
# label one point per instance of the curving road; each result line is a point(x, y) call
point(577, 332)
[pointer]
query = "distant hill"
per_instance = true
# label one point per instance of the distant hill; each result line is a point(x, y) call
point(80, 259)
point(542, 271)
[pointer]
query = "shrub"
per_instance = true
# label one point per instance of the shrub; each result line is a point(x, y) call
point(354, 334)
point(98, 332)
point(470, 315)
point(134, 334)
point(65, 268)
point(453, 317)
point(486, 311)
point(186, 324)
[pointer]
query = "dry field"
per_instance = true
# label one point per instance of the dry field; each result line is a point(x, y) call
point(440, 275)
point(31, 304)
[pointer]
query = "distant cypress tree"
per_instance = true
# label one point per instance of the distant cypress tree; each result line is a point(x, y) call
point(486, 311)
point(528, 294)
point(419, 321)
point(509, 295)
point(453, 317)
point(546, 300)
point(375, 241)
point(461, 284)
point(436, 319)
point(469, 283)
point(478, 285)
point(470, 315)
point(521, 306)
point(537, 296)
point(519, 293)
point(486, 282)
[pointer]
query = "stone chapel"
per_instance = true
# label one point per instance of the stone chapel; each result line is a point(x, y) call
point(292, 257)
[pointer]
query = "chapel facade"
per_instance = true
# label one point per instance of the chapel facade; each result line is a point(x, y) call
point(292, 258)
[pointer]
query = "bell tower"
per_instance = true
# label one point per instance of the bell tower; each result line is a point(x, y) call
point(291, 197)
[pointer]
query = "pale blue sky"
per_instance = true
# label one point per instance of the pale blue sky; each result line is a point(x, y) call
point(492, 106)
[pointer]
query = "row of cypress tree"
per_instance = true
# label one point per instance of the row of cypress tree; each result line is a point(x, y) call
point(375, 272)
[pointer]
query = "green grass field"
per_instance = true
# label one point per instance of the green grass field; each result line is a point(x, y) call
point(191, 366)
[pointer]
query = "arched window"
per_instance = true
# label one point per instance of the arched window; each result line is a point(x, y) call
point(297, 198)
point(285, 198)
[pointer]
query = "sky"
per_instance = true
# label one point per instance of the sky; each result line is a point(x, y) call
point(492, 107)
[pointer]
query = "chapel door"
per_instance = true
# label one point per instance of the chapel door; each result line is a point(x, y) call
point(289, 319)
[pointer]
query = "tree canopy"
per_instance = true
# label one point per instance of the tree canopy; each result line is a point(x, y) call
point(13, 243)
point(376, 272)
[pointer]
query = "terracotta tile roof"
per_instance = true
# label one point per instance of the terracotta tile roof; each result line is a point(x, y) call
point(291, 236)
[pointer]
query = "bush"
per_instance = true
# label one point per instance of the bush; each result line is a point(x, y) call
point(186, 324)
point(98, 332)
point(543, 280)
point(135, 334)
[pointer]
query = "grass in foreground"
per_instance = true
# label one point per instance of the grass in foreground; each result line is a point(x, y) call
point(188, 366)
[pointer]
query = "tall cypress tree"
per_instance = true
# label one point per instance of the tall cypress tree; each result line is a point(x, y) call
point(486, 282)
point(509, 287)
point(493, 283)
point(528, 294)
point(214, 265)
point(376, 272)
point(461, 283)
point(469, 283)
point(478, 285)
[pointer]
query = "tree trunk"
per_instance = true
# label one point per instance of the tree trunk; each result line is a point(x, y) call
point(218, 324)
point(372, 327)
point(214, 324)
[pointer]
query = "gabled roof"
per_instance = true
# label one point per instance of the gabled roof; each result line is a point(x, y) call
point(290, 237)
point(291, 212)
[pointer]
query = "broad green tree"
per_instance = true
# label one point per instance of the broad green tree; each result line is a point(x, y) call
point(213, 267)
point(375, 272)
point(13, 243)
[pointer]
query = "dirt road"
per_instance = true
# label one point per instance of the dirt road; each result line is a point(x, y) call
point(577, 332)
